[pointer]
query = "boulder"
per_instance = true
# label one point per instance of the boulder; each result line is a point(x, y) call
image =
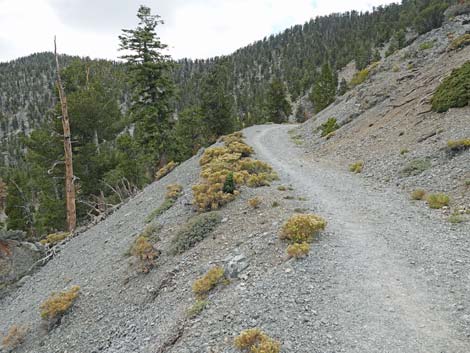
point(17, 258)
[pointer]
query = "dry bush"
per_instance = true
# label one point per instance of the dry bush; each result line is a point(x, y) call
point(356, 167)
point(256, 341)
point(224, 169)
point(173, 191)
point(418, 194)
point(167, 168)
point(254, 202)
point(240, 147)
point(298, 250)
point(233, 137)
point(438, 200)
point(212, 153)
point(460, 42)
point(54, 238)
point(144, 251)
point(54, 307)
point(302, 228)
point(14, 338)
point(202, 286)
point(458, 145)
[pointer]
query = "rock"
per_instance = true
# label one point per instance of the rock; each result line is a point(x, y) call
point(17, 258)
point(235, 265)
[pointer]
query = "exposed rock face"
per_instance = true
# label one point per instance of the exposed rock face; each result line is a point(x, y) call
point(16, 256)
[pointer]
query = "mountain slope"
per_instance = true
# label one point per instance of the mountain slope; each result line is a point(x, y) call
point(387, 121)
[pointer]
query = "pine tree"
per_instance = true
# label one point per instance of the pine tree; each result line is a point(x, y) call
point(343, 87)
point(324, 89)
point(152, 85)
point(277, 106)
point(217, 103)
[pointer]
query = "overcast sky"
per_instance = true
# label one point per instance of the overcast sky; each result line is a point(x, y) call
point(193, 28)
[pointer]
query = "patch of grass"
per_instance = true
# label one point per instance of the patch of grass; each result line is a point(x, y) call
point(328, 127)
point(298, 250)
point(356, 167)
point(166, 205)
point(281, 188)
point(299, 210)
point(460, 42)
point(415, 167)
point(456, 218)
point(426, 45)
point(256, 341)
point(467, 182)
point(297, 139)
point(196, 308)
point(54, 238)
point(166, 169)
point(438, 200)
point(57, 305)
point(203, 285)
point(301, 228)
point(14, 337)
point(289, 197)
point(454, 91)
point(254, 202)
point(194, 231)
point(418, 194)
point(458, 145)
point(275, 204)
point(359, 77)
point(404, 151)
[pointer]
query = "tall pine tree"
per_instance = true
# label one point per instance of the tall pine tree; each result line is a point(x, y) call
point(152, 85)
point(277, 105)
point(324, 89)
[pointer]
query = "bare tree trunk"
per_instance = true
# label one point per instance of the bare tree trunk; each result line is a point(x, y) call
point(69, 179)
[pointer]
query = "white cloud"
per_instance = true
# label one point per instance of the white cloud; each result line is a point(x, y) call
point(193, 28)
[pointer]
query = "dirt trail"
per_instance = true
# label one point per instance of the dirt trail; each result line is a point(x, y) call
point(395, 284)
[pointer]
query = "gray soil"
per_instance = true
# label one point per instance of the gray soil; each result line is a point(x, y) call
point(387, 275)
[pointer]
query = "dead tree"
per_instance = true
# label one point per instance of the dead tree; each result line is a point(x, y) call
point(69, 178)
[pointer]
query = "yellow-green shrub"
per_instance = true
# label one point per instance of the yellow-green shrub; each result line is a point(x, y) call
point(356, 167)
point(229, 161)
point(438, 200)
point(212, 153)
point(143, 250)
point(167, 168)
point(254, 202)
point(240, 147)
point(298, 250)
point(202, 286)
point(173, 191)
point(256, 341)
point(14, 337)
point(54, 238)
point(302, 228)
point(58, 304)
point(418, 194)
point(457, 145)
point(236, 136)
point(460, 42)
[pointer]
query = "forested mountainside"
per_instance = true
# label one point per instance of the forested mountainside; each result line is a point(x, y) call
point(295, 55)
point(118, 145)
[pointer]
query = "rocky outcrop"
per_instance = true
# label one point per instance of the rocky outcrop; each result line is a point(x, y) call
point(17, 256)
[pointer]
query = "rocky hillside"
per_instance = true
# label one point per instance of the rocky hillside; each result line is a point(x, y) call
point(387, 121)
point(388, 274)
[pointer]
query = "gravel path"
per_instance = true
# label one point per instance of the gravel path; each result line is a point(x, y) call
point(399, 274)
